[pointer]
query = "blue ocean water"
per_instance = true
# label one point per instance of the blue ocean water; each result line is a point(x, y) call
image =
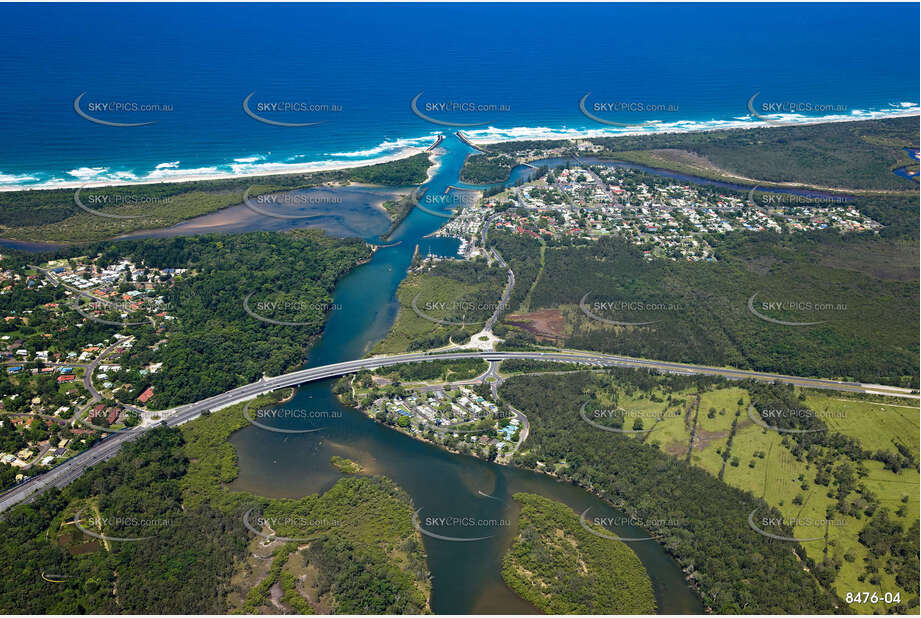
point(688, 66)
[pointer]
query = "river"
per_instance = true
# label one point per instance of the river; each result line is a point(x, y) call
point(466, 575)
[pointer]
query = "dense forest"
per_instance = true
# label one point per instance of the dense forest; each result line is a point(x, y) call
point(481, 169)
point(182, 567)
point(521, 252)
point(735, 569)
point(866, 288)
point(216, 345)
point(562, 568)
point(166, 490)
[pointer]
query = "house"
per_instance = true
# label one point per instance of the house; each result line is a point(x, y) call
point(67, 378)
point(146, 395)
point(113, 415)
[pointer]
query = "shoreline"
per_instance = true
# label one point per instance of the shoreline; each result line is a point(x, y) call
point(729, 125)
point(288, 170)
point(284, 169)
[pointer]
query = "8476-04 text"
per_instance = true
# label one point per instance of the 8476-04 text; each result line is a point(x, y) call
point(873, 597)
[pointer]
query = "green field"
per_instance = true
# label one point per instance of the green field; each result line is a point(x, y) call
point(877, 424)
point(463, 294)
point(788, 482)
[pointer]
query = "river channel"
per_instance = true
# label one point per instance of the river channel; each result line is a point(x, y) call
point(466, 574)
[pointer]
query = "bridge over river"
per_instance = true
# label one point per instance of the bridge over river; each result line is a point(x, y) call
point(66, 472)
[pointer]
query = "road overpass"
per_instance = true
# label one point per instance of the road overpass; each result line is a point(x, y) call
point(66, 472)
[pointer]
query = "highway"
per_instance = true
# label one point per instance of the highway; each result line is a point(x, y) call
point(66, 472)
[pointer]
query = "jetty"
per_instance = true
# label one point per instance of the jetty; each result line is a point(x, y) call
point(441, 138)
point(460, 135)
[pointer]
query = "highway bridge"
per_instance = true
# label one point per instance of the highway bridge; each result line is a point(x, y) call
point(66, 472)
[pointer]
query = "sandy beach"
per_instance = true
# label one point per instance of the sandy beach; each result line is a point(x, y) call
point(270, 169)
point(478, 137)
point(672, 128)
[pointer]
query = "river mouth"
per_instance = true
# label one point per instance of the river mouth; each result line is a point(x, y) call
point(466, 570)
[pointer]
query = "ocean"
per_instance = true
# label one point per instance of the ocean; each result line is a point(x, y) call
point(347, 74)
